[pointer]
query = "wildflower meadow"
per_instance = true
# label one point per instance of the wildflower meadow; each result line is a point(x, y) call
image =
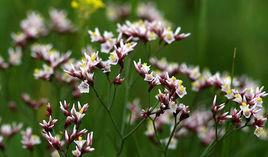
point(134, 78)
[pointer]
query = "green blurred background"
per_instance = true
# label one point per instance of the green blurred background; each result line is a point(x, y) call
point(217, 27)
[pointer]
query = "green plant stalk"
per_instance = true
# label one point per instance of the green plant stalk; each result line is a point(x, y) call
point(210, 148)
point(155, 131)
point(126, 97)
point(114, 94)
point(171, 135)
point(108, 112)
point(128, 135)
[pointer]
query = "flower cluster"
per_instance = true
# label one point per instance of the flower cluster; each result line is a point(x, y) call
point(52, 57)
point(34, 104)
point(32, 28)
point(118, 12)
point(7, 131)
point(201, 123)
point(107, 41)
point(14, 58)
point(144, 71)
point(29, 140)
point(60, 22)
point(145, 11)
point(35, 26)
point(87, 7)
point(168, 100)
point(168, 113)
point(245, 96)
point(71, 135)
point(84, 69)
point(147, 31)
point(149, 12)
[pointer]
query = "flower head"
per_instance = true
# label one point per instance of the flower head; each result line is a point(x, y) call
point(87, 7)
point(60, 22)
point(29, 140)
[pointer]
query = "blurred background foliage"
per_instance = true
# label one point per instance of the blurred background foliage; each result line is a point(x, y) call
point(217, 27)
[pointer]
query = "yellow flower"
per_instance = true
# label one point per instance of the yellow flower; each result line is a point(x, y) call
point(74, 4)
point(95, 3)
point(86, 7)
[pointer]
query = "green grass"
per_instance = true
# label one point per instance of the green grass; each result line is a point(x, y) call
point(217, 28)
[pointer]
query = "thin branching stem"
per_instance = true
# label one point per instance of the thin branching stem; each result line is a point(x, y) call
point(111, 105)
point(62, 153)
point(126, 97)
point(134, 129)
point(108, 111)
point(155, 131)
point(128, 135)
point(171, 135)
point(211, 147)
point(216, 126)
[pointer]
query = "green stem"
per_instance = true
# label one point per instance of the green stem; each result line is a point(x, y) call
point(126, 97)
point(128, 135)
point(155, 131)
point(216, 127)
point(108, 111)
point(62, 153)
point(211, 147)
point(111, 105)
point(171, 135)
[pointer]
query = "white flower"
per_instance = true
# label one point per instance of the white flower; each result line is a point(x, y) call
point(124, 48)
point(34, 26)
point(113, 58)
point(44, 73)
point(181, 90)
point(168, 36)
point(246, 110)
point(59, 21)
point(95, 36)
point(149, 77)
point(173, 106)
point(15, 56)
point(92, 59)
point(83, 87)
point(19, 38)
point(107, 46)
point(142, 68)
point(260, 132)
point(29, 140)
point(80, 143)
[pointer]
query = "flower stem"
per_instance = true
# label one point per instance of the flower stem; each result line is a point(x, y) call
point(108, 111)
point(211, 147)
point(155, 131)
point(216, 127)
point(127, 85)
point(111, 105)
point(128, 135)
point(171, 135)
